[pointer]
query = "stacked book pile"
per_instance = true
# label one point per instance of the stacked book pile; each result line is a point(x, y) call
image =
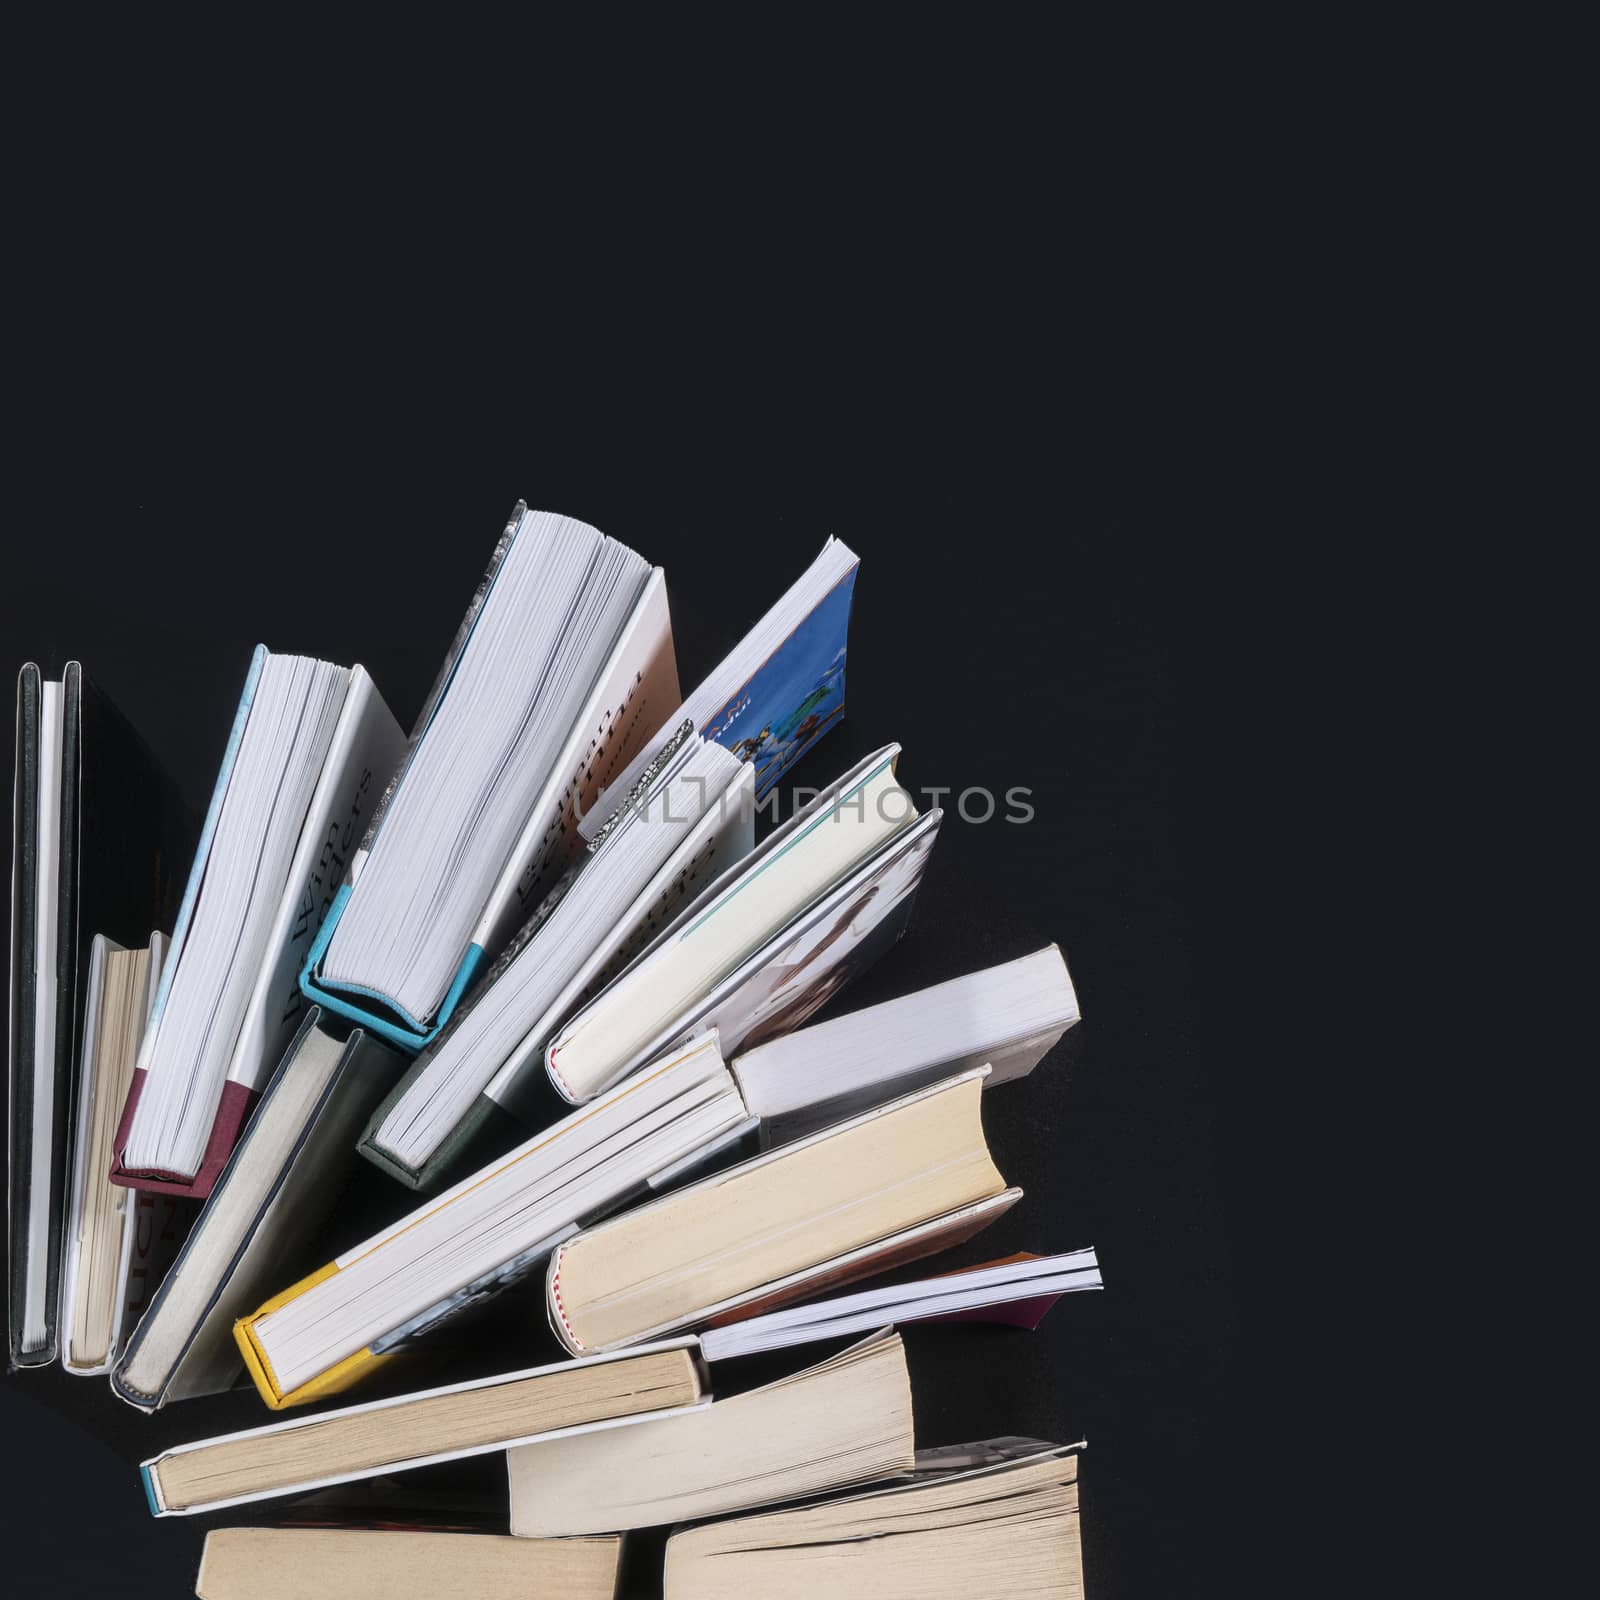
point(544, 962)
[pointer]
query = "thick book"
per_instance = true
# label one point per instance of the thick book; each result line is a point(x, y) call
point(422, 1429)
point(995, 1518)
point(845, 1421)
point(690, 817)
point(1008, 1017)
point(119, 1242)
point(780, 688)
point(768, 942)
point(308, 749)
point(266, 1216)
point(495, 1227)
point(99, 836)
point(560, 673)
point(1018, 1291)
point(882, 1189)
point(396, 1563)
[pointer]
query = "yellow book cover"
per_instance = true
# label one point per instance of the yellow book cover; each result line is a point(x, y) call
point(339, 1377)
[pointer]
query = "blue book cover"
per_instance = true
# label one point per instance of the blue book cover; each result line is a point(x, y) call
point(795, 696)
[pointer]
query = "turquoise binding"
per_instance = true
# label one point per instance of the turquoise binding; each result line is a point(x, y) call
point(409, 1035)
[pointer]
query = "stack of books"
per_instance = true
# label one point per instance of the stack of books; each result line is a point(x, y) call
point(543, 963)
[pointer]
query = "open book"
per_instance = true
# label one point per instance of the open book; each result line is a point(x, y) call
point(561, 671)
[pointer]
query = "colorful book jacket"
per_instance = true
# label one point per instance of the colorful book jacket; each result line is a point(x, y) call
point(783, 707)
point(795, 696)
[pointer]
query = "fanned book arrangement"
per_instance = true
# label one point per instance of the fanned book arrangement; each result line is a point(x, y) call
point(544, 966)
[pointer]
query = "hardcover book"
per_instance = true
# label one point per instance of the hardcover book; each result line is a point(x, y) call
point(560, 672)
point(768, 942)
point(300, 775)
point(269, 1211)
point(781, 687)
point(99, 835)
point(341, 1323)
point(691, 816)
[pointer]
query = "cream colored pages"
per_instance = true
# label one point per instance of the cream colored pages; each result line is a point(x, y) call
point(372, 1564)
point(95, 1297)
point(845, 1421)
point(659, 1266)
point(668, 981)
point(336, 1444)
point(1007, 1532)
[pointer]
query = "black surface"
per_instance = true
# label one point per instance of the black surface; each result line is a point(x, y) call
point(1040, 588)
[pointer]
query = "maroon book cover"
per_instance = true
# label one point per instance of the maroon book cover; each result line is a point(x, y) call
point(232, 1114)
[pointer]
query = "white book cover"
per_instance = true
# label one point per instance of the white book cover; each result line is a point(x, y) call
point(1001, 1283)
point(791, 979)
point(1007, 1016)
point(367, 744)
point(720, 839)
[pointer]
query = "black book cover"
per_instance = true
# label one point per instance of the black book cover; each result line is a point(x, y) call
point(125, 841)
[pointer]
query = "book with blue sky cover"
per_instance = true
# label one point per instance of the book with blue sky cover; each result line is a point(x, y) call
point(780, 688)
point(797, 693)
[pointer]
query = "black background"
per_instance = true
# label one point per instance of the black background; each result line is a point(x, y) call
point(310, 436)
